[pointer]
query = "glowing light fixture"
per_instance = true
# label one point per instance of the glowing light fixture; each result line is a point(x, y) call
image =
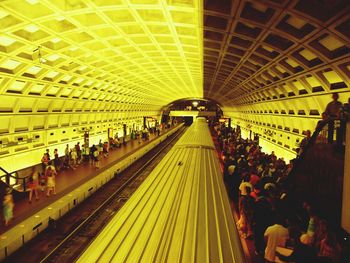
point(6, 41)
point(3, 14)
point(55, 40)
point(34, 70)
point(10, 64)
point(32, 2)
point(195, 104)
point(52, 74)
point(53, 57)
point(31, 28)
point(60, 18)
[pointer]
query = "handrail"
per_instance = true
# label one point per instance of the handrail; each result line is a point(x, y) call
point(7, 175)
point(314, 136)
point(320, 126)
point(19, 180)
point(2, 169)
point(317, 131)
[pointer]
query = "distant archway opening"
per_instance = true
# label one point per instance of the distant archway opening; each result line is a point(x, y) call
point(185, 110)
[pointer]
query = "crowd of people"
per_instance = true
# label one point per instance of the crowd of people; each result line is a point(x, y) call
point(269, 214)
point(44, 180)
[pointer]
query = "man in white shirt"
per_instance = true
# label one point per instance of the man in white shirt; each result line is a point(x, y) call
point(275, 235)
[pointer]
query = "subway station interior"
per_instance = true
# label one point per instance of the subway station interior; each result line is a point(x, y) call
point(175, 131)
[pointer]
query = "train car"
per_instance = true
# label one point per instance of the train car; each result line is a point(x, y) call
point(181, 213)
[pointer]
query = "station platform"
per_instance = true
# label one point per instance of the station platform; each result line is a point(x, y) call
point(68, 180)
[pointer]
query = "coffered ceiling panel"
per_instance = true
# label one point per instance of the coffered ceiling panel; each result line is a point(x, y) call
point(152, 52)
point(256, 51)
point(101, 50)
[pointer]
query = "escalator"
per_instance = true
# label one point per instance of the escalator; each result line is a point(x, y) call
point(14, 181)
point(317, 175)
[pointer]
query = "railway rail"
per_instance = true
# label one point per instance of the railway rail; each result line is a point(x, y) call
point(67, 238)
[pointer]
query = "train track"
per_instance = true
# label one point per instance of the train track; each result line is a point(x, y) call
point(65, 241)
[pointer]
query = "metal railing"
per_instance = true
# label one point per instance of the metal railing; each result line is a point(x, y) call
point(324, 133)
point(13, 181)
point(327, 131)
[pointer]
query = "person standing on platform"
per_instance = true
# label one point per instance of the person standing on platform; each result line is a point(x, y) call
point(33, 184)
point(48, 154)
point(96, 158)
point(91, 154)
point(246, 214)
point(78, 150)
point(143, 134)
point(105, 149)
point(44, 162)
point(74, 157)
point(51, 181)
point(93, 148)
point(52, 167)
point(8, 206)
point(117, 143)
point(56, 160)
point(66, 157)
point(100, 146)
point(83, 153)
point(139, 136)
point(261, 220)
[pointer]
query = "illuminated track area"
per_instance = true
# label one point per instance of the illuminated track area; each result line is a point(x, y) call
point(76, 230)
point(180, 213)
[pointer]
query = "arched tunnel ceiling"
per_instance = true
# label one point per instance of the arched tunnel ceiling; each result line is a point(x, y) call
point(145, 52)
point(68, 66)
point(75, 54)
point(257, 51)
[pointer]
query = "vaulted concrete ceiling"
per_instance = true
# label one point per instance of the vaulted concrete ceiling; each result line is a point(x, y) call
point(137, 51)
point(150, 51)
point(70, 65)
point(256, 51)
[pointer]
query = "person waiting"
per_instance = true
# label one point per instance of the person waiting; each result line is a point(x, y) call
point(33, 184)
point(50, 181)
point(8, 205)
point(117, 142)
point(44, 162)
